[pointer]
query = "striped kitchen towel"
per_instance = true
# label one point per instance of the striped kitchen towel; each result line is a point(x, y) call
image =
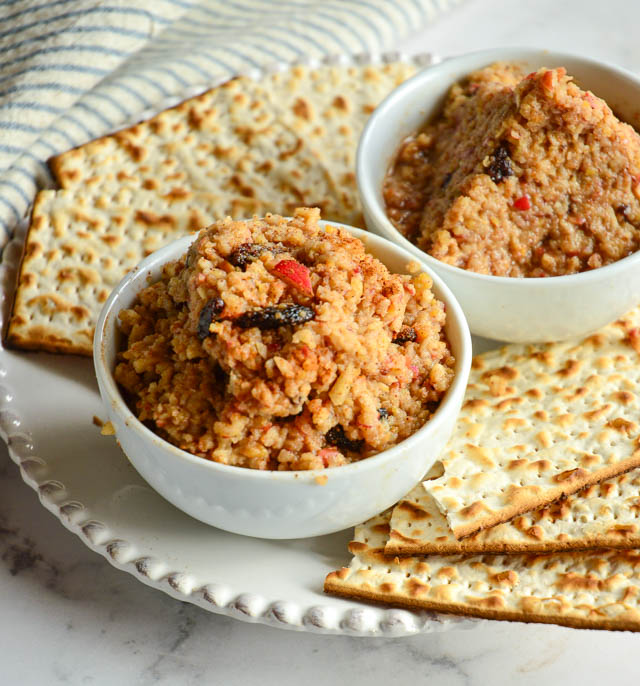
point(73, 70)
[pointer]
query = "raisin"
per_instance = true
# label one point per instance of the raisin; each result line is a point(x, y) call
point(274, 316)
point(291, 417)
point(407, 334)
point(500, 166)
point(383, 413)
point(208, 314)
point(623, 209)
point(249, 252)
point(445, 181)
point(432, 406)
point(221, 377)
point(337, 437)
point(245, 254)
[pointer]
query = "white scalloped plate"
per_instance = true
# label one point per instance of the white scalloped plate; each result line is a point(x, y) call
point(47, 403)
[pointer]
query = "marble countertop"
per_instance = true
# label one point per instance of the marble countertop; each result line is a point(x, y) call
point(68, 617)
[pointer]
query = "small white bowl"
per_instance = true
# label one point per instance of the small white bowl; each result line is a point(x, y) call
point(509, 309)
point(270, 504)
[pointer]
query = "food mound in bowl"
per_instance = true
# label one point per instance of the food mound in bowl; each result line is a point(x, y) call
point(519, 176)
point(280, 344)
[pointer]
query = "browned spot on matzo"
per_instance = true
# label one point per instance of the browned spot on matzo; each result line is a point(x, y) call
point(473, 510)
point(571, 368)
point(393, 534)
point(623, 530)
point(535, 532)
point(513, 423)
point(623, 397)
point(475, 405)
point(152, 219)
point(508, 578)
point(491, 602)
point(624, 426)
point(504, 372)
point(416, 588)
point(570, 475)
point(416, 513)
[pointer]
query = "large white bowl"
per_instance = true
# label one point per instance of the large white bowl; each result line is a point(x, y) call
point(277, 504)
point(510, 309)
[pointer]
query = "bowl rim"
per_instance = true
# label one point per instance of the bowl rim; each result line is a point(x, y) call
point(108, 318)
point(369, 198)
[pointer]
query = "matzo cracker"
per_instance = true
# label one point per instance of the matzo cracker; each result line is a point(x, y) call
point(80, 246)
point(602, 515)
point(595, 589)
point(540, 422)
point(328, 109)
point(285, 142)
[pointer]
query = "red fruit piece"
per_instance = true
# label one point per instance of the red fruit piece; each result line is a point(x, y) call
point(522, 203)
point(295, 274)
point(326, 454)
point(549, 78)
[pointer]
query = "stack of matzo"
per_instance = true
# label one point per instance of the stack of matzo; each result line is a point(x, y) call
point(241, 149)
point(538, 423)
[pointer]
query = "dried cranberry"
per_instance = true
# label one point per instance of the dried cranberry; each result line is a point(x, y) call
point(407, 334)
point(336, 436)
point(500, 167)
point(274, 316)
point(208, 314)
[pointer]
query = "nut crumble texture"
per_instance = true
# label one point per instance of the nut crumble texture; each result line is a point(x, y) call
point(523, 176)
point(270, 345)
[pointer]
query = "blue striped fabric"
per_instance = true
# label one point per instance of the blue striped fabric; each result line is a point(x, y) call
point(71, 71)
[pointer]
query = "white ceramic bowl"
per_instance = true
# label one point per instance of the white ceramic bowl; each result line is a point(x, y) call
point(510, 309)
point(277, 504)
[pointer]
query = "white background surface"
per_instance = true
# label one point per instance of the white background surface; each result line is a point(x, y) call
point(68, 617)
